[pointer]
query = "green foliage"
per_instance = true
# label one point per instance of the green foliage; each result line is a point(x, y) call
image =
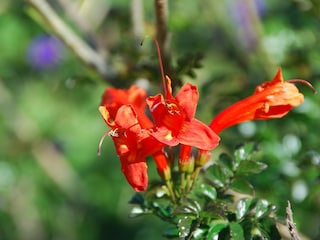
point(54, 186)
point(221, 204)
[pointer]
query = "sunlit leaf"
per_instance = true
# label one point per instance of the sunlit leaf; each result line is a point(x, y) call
point(208, 191)
point(236, 231)
point(243, 153)
point(189, 206)
point(262, 207)
point(137, 211)
point(215, 229)
point(199, 233)
point(243, 207)
point(250, 167)
point(184, 225)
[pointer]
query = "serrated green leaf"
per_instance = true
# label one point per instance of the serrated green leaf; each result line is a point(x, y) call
point(242, 208)
point(250, 167)
point(242, 186)
point(236, 231)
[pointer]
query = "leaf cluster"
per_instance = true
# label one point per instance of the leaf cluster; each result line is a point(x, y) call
point(221, 204)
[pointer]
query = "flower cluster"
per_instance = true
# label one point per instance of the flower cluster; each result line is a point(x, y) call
point(136, 136)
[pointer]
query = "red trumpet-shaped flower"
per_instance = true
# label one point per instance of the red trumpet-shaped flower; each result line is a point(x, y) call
point(124, 112)
point(270, 100)
point(113, 99)
point(174, 119)
point(132, 144)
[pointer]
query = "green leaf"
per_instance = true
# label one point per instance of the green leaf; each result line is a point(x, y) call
point(137, 199)
point(199, 233)
point(215, 229)
point(207, 190)
point(164, 211)
point(250, 167)
point(194, 205)
point(172, 232)
point(269, 228)
point(210, 213)
point(189, 206)
point(226, 160)
point(262, 208)
point(219, 175)
point(137, 211)
point(242, 186)
point(243, 206)
point(243, 153)
point(236, 231)
point(184, 225)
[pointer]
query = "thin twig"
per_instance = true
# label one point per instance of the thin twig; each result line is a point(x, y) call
point(88, 55)
point(290, 224)
point(161, 8)
point(71, 8)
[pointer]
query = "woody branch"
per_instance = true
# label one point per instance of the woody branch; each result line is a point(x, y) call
point(161, 8)
point(87, 54)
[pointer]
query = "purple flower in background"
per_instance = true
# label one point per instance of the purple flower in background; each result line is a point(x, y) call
point(245, 16)
point(261, 7)
point(44, 52)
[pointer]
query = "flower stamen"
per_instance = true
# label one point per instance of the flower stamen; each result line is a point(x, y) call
point(309, 85)
point(101, 141)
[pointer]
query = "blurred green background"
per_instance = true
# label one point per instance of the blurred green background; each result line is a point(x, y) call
point(52, 183)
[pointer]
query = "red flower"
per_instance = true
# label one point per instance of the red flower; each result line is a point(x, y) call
point(270, 100)
point(132, 144)
point(113, 99)
point(185, 158)
point(175, 122)
point(162, 164)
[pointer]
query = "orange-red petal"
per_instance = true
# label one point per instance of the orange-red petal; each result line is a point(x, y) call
point(270, 100)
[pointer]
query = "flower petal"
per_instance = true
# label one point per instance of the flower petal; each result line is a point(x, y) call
point(136, 175)
point(164, 135)
point(270, 100)
point(198, 135)
point(187, 98)
point(126, 118)
point(113, 99)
